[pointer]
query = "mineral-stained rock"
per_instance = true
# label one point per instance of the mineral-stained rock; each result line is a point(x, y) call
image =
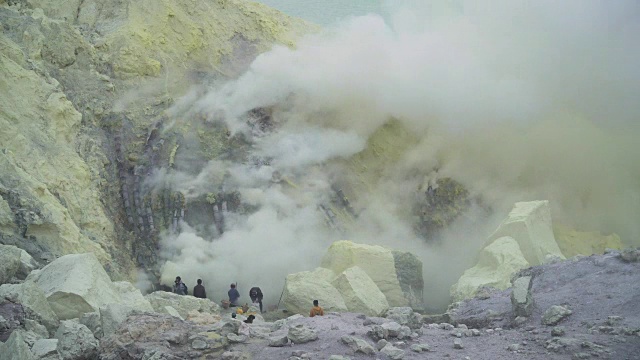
point(233, 338)
point(46, 349)
point(529, 223)
point(393, 328)
point(521, 296)
point(381, 344)
point(377, 332)
point(183, 304)
point(302, 288)
point(36, 328)
point(202, 318)
point(16, 347)
point(405, 316)
point(420, 348)
point(33, 301)
point(12, 316)
point(171, 311)
point(132, 297)
point(75, 341)
point(392, 352)
point(378, 262)
point(496, 264)
point(301, 334)
point(15, 262)
point(360, 293)
point(161, 334)
point(358, 345)
point(92, 322)
point(76, 284)
point(112, 316)
point(555, 314)
point(278, 340)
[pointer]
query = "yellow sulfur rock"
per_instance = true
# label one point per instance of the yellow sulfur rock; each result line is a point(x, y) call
point(496, 264)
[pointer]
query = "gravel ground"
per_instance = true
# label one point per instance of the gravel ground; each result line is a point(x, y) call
point(603, 293)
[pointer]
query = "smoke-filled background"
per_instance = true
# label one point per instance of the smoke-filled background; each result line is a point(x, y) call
point(516, 100)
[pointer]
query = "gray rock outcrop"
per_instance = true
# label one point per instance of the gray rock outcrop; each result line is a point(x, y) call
point(75, 341)
point(46, 349)
point(278, 340)
point(112, 315)
point(16, 347)
point(392, 352)
point(34, 302)
point(301, 334)
point(15, 263)
point(182, 304)
point(555, 314)
point(358, 345)
point(521, 296)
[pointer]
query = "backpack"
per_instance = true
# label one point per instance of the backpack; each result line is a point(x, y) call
point(184, 288)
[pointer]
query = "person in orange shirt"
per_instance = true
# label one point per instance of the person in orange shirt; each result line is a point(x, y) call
point(316, 309)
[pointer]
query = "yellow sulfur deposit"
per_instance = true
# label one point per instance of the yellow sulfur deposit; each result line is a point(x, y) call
point(573, 242)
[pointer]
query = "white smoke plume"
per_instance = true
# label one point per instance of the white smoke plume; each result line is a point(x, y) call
point(517, 100)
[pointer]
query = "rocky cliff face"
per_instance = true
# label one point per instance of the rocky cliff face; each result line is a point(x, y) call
point(85, 86)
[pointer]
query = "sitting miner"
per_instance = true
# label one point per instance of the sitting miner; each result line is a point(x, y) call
point(199, 291)
point(316, 309)
point(234, 295)
point(179, 287)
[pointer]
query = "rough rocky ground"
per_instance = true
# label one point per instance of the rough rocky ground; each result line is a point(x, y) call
point(601, 292)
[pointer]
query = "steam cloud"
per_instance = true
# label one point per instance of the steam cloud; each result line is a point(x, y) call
point(518, 100)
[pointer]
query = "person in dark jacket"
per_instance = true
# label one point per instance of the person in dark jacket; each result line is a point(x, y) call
point(256, 296)
point(234, 295)
point(179, 287)
point(199, 291)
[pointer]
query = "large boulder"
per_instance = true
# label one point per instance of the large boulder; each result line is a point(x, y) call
point(75, 341)
point(529, 223)
point(76, 284)
point(496, 264)
point(182, 303)
point(377, 261)
point(33, 301)
point(360, 293)
point(131, 296)
point(302, 288)
point(15, 263)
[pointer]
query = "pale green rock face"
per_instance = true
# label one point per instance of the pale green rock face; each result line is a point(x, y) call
point(67, 72)
point(76, 284)
point(304, 287)
point(375, 261)
point(360, 293)
point(497, 263)
point(529, 223)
